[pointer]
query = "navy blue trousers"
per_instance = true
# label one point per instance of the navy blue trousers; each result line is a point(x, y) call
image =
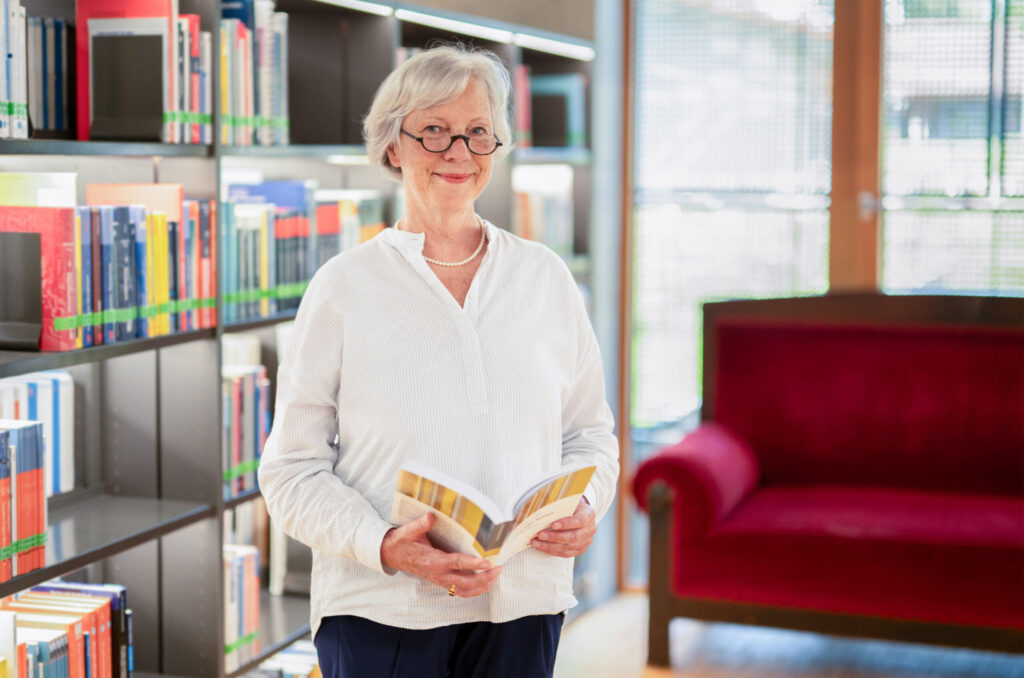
point(353, 647)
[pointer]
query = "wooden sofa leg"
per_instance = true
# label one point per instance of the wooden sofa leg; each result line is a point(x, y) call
point(659, 586)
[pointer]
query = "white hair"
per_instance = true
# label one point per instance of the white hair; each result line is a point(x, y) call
point(431, 78)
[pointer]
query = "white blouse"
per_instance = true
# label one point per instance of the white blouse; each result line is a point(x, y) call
point(494, 393)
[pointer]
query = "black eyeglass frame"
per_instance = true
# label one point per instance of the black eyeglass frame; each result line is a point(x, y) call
point(451, 142)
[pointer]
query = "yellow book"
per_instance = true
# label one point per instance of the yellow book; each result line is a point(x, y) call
point(154, 329)
point(161, 272)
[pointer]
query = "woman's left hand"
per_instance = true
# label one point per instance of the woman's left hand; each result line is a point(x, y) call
point(570, 536)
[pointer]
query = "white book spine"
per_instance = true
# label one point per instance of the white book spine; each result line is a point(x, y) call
point(20, 74)
point(206, 87)
point(5, 97)
point(282, 125)
point(265, 69)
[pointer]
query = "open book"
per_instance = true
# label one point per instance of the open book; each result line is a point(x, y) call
point(469, 522)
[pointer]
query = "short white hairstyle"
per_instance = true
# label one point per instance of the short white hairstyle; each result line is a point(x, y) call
point(431, 78)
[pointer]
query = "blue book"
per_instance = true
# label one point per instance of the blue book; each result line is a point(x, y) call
point(47, 122)
point(85, 229)
point(28, 503)
point(172, 272)
point(188, 286)
point(287, 195)
point(59, 37)
point(5, 507)
point(124, 249)
point(138, 218)
point(109, 273)
point(229, 263)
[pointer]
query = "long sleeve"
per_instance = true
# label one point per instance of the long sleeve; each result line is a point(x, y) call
point(587, 422)
point(296, 473)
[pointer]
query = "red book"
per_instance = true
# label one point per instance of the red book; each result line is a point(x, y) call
point(193, 31)
point(115, 9)
point(56, 226)
point(5, 504)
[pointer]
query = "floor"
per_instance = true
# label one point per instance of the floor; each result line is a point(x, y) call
point(611, 641)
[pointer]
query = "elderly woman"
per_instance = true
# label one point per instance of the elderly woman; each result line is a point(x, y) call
point(449, 341)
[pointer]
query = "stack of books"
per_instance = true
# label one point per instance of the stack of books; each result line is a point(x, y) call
point(49, 399)
point(67, 630)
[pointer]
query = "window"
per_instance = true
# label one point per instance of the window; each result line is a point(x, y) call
point(733, 141)
point(953, 156)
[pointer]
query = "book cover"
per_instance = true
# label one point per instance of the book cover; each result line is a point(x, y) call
point(128, 78)
point(56, 226)
point(21, 305)
point(38, 189)
point(467, 521)
point(85, 10)
point(559, 99)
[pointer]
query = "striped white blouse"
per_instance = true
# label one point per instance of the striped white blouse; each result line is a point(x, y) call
point(495, 392)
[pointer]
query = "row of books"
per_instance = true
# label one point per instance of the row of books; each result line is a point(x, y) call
point(139, 70)
point(298, 660)
point(253, 64)
point(47, 57)
point(550, 108)
point(245, 394)
point(67, 630)
point(13, 72)
point(543, 205)
point(241, 604)
point(49, 399)
point(277, 233)
point(23, 521)
point(137, 261)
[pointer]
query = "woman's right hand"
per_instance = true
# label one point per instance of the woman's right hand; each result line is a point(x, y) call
point(406, 548)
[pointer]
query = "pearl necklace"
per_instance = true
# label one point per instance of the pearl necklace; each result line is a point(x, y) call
point(471, 257)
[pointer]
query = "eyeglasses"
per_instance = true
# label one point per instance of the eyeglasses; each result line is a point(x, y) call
point(481, 144)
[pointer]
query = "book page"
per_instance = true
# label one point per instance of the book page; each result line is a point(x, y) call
point(544, 504)
point(460, 523)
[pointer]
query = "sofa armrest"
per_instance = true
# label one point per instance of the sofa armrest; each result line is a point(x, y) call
point(709, 472)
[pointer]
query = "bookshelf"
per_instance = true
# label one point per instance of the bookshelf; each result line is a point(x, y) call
point(148, 505)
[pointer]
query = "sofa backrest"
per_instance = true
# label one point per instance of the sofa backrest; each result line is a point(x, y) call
point(853, 389)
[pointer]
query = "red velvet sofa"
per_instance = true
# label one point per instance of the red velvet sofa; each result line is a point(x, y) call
point(859, 470)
